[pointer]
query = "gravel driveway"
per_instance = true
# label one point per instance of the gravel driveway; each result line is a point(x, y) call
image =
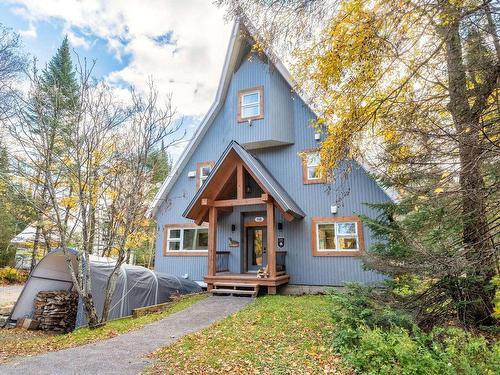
point(9, 294)
point(124, 354)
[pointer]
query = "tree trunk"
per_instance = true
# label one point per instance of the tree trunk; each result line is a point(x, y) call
point(110, 289)
point(474, 300)
point(34, 251)
point(88, 302)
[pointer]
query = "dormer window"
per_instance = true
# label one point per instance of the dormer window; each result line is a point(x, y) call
point(311, 167)
point(251, 104)
point(202, 172)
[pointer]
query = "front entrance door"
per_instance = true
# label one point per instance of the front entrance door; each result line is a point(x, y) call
point(256, 248)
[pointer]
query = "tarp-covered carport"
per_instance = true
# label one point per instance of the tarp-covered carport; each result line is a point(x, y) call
point(136, 286)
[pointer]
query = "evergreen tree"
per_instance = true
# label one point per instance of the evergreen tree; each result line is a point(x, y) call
point(15, 210)
point(55, 105)
point(59, 79)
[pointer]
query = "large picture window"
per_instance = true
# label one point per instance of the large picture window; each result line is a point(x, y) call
point(337, 236)
point(250, 104)
point(185, 239)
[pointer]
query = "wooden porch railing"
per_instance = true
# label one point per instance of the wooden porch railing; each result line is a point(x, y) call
point(222, 261)
point(280, 260)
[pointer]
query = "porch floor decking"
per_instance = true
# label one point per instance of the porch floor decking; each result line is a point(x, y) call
point(247, 278)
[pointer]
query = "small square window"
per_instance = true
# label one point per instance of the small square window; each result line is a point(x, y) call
point(250, 103)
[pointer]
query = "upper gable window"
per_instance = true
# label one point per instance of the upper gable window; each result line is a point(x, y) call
point(202, 172)
point(311, 168)
point(251, 104)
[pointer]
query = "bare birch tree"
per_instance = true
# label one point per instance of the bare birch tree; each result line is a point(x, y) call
point(96, 159)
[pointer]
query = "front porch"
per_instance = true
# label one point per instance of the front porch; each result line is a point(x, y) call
point(240, 201)
point(225, 279)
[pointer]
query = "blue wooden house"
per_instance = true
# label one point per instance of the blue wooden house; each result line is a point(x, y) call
point(244, 206)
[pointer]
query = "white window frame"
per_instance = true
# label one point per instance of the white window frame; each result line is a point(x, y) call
point(337, 236)
point(180, 240)
point(202, 177)
point(319, 177)
point(252, 104)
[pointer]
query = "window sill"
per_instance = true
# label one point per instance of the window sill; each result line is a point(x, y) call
point(253, 118)
point(339, 253)
point(185, 254)
point(312, 182)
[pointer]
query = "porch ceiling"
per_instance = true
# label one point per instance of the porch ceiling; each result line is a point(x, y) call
point(223, 172)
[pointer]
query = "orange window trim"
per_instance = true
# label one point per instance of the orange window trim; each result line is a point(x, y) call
point(305, 178)
point(361, 239)
point(175, 253)
point(260, 89)
point(198, 174)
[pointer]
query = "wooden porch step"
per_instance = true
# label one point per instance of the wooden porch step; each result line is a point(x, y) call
point(235, 285)
point(235, 289)
point(233, 292)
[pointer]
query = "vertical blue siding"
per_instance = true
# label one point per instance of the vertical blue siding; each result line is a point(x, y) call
point(286, 119)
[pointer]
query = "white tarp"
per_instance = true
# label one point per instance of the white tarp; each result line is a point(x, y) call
point(136, 286)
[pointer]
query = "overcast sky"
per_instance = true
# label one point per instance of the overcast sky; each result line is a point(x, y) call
point(179, 43)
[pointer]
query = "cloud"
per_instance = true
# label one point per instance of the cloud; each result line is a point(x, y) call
point(30, 32)
point(180, 44)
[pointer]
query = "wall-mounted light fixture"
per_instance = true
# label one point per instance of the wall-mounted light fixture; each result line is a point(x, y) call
point(333, 209)
point(233, 227)
point(280, 226)
point(248, 189)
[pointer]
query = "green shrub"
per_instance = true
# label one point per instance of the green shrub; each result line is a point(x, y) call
point(380, 340)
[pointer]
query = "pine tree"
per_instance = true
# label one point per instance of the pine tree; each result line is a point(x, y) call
point(59, 79)
point(57, 98)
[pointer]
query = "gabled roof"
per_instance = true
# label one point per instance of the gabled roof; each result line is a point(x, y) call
point(257, 170)
point(236, 44)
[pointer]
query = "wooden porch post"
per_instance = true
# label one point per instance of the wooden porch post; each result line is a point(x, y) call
point(271, 245)
point(212, 241)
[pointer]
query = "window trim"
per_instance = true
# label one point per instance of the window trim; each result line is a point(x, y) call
point(241, 93)
point(198, 171)
point(332, 220)
point(173, 253)
point(305, 177)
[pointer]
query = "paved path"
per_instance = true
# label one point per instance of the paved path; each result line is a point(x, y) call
point(124, 354)
point(9, 294)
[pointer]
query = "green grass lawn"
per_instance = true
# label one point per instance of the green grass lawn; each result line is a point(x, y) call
point(275, 335)
point(19, 342)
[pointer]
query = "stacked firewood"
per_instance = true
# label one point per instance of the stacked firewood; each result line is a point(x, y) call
point(56, 310)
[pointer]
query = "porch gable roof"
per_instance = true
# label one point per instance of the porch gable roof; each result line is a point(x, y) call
point(256, 169)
